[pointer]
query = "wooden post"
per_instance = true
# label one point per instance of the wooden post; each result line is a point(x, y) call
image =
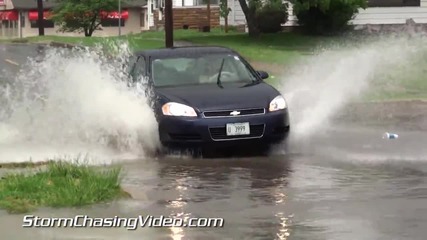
point(208, 9)
point(40, 20)
point(168, 24)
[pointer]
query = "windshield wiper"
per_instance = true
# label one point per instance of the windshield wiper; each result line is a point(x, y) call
point(218, 81)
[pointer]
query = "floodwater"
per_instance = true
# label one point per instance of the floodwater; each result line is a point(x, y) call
point(324, 189)
point(344, 182)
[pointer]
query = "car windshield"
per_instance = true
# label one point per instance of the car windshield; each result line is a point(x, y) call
point(200, 69)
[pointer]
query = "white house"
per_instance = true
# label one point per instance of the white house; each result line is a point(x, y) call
point(379, 12)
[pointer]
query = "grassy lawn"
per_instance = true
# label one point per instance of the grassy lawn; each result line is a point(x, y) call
point(273, 48)
point(62, 184)
point(270, 52)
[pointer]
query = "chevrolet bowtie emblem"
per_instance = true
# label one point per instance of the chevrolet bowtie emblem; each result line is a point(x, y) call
point(235, 113)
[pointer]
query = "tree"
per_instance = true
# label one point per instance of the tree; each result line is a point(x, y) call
point(224, 11)
point(326, 16)
point(82, 15)
point(249, 9)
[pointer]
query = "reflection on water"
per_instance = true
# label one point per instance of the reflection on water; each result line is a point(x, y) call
point(250, 194)
point(177, 210)
point(264, 198)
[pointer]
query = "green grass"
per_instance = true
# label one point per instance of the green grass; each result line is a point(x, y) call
point(61, 184)
point(273, 48)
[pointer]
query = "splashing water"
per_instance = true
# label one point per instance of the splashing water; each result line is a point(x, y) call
point(319, 88)
point(73, 102)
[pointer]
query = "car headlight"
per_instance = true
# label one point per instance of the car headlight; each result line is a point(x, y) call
point(278, 103)
point(178, 109)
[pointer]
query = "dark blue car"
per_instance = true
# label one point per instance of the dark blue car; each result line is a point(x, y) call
point(211, 98)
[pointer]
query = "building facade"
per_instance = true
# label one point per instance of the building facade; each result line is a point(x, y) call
point(187, 14)
point(18, 19)
point(379, 12)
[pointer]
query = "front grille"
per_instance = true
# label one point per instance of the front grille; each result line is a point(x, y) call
point(227, 113)
point(219, 133)
point(187, 137)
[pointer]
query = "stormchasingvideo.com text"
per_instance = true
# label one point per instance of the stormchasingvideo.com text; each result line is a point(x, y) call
point(84, 221)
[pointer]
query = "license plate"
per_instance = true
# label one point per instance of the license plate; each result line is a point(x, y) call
point(234, 129)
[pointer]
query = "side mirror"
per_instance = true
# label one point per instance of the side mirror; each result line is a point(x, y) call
point(263, 74)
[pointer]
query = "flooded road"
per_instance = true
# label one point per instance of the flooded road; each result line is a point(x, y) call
point(330, 189)
point(341, 183)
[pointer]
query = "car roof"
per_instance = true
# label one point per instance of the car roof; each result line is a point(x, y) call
point(183, 51)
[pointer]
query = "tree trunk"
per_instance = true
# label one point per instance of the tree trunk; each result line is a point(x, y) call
point(226, 24)
point(92, 26)
point(252, 26)
point(250, 15)
point(88, 32)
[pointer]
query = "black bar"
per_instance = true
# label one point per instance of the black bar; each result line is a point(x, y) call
point(168, 24)
point(40, 20)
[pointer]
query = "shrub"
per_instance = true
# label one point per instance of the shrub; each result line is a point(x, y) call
point(326, 16)
point(271, 15)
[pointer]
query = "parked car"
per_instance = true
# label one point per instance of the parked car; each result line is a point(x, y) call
point(211, 98)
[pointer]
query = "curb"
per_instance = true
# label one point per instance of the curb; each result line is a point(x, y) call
point(63, 45)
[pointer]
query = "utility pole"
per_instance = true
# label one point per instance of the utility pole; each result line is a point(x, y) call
point(40, 19)
point(168, 24)
point(120, 18)
point(208, 9)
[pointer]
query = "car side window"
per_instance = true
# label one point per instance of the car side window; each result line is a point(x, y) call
point(139, 69)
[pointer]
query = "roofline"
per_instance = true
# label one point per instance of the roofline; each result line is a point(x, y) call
point(183, 47)
point(49, 8)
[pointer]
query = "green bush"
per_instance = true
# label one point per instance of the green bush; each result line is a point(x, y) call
point(325, 17)
point(271, 15)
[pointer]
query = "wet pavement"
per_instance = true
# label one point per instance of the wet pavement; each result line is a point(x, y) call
point(343, 183)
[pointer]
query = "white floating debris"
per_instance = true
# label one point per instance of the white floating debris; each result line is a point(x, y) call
point(11, 62)
point(388, 135)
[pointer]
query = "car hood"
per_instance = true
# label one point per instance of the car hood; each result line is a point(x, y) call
point(211, 97)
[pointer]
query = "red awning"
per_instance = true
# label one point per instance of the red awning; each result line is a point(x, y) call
point(34, 14)
point(115, 15)
point(9, 15)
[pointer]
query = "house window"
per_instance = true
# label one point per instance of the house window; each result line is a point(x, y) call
point(159, 4)
point(6, 24)
point(46, 24)
point(394, 3)
point(142, 19)
point(114, 22)
point(204, 2)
